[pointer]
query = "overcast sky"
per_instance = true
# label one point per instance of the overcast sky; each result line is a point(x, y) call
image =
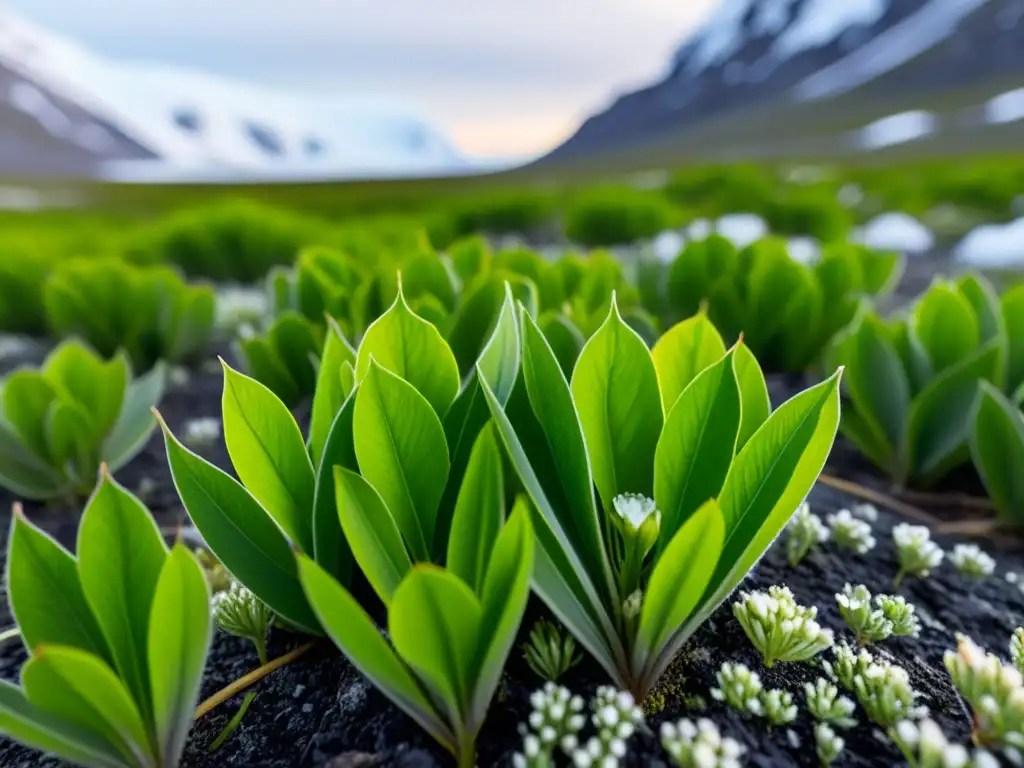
point(499, 76)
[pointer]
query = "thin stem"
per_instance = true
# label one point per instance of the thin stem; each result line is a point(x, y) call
point(467, 753)
point(261, 649)
point(9, 634)
point(246, 681)
point(862, 492)
point(899, 578)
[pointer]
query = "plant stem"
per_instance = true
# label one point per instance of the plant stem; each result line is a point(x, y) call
point(253, 677)
point(9, 634)
point(467, 753)
point(899, 578)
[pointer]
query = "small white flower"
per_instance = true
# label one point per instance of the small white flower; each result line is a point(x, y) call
point(780, 628)
point(826, 704)
point(918, 555)
point(851, 533)
point(634, 509)
point(970, 561)
point(201, 432)
point(239, 612)
point(827, 743)
point(700, 745)
point(805, 531)
point(555, 722)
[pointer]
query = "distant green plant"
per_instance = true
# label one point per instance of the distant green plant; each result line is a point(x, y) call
point(613, 216)
point(700, 745)
point(60, 422)
point(1012, 306)
point(997, 449)
point(994, 691)
point(549, 652)
point(117, 638)
point(912, 380)
point(149, 312)
point(22, 276)
point(625, 571)
point(917, 554)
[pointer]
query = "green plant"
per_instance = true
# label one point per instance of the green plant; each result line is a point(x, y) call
point(1017, 648)
point(778, 707)
point(847, 664)
point(149, 312)
point(285, 357)
point(58, 423)
point(917, 554)
point(850, 533)
point(21, 292)
point(780, 628)
point(994, 691)
point(740, 688)
point(631, 591)
point(700, 745)
point(828, 745)
point(600, 217)
point(885, 693)
point(804, 532)
point(826, 705)
point(971, 562)
point(549, 652)
point(924, 745)
point(117, 638)
point(555, 721)
point(892, 616)
point(912, 380)
point(997, 449)
point(239, 612)
point(616, 717)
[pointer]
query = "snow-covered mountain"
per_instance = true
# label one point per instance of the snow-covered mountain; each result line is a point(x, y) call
point(66, 109)
point(753, 52)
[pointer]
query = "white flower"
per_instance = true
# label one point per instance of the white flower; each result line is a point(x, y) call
point(780, 628)
point(970, 561)
point(918, 555)
point(827, 743)
point(201, 432)
point(700, 745)
point(634, 509)
point(850, 533)
point(866, 512)
point(805, 531)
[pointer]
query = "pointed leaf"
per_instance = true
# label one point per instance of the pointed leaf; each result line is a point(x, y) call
point(23, 473)
point(997, 446)
point(685, 350)
point(756, 405)
point(565, 339)
point(1013, 318)
point(499, 359)
point(330, 549)
point(946, 324)
point(330, 392)
point(135, 423)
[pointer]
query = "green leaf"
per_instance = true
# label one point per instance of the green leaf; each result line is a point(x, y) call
point(997, 447)
point(479, 512)
point(352, 631)
point(756, 405)
point(504, 591)
point(180, 629)
point(434, 621)
point(371, 532)
point(98, 386)
point(685, 350)
point(297, 342)
point(678, 581)
point(240, 533)
point(473, 322)
point(985, 302)
point(696, 447)
point(564, 337)
point(330, 549)
point(269, 455)
point(27, 724)
point(499, 359)
point(264, 365)
point(23, 473)
point(413, 349)
point(946, 324)
point(45, 592)
point(135, 423)
point(1013, 319)
point(330, 392)
point(120, 556)
point(27, 397)
point(71, 441)
point(615, 390)
point(76, 686)
point(771, 476)
point(940, 415)
point(402, 452)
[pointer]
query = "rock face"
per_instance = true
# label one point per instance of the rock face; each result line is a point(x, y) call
point(754, 52)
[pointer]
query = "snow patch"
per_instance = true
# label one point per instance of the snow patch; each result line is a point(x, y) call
point(805, 250)
point(897, 129)
point(822, 21)
point(993, 246)
point(699, 229)
point(1007, 107)
point(741, 228)
point(719, 38)
point(928, 26)
point(667, 245)
point(772, 16)
point(895, 232)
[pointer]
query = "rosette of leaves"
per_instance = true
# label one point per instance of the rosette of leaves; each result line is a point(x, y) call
point(632, 582)
point(912, 381)
point(997, 449)
point(59, 422)
point(149, 312)
point(285, 357)
point(117, 638)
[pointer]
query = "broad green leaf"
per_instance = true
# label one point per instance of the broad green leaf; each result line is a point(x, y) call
point(330, 549)
point(985, 302)
point(499, 359)
point(29, 725)
point(414, 350)
point(696, 447)
point(435, 621)
point(565, 339)
point(946, 324)
point(429, 274)
point(269, 455)
point(77, 686)
point(180, 629)
point(132, 429)
point(45, 592)
point(22, 472)
point(473, 322)
point(297, 343)
point(685, 350)
point(354, 633)
point(120, 556)
point(756, 405)
point(678, 581)
point(479, 512)
point(98, 386)
point(771, 476)
point(27, 397)
point(371, 532)
point(696, 269)
point(615, 390)
point(504, 590)
point(552, 406)
point(997, 446)
point(1013, 318)
point(240, 533)
point(912, 354)
point(264, 365)
point(940, 415)
point(401, 449)
point(330, 392)
point(71, 441)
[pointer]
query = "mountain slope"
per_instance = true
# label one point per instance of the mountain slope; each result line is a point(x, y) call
point(762, 59)
point(144, 120)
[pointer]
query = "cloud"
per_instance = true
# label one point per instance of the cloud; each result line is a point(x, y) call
point(464, 62)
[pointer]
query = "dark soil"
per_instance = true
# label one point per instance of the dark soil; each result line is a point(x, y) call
point(319, 712)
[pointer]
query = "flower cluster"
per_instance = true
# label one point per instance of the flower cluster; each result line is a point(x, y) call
point(239, 612)
point(555, 722)
point(805, 532)
point(700, 745)
point(970, 561)
point(828, 745)
point(847, 664)
point(885, 693)
point(901, 614)
point(201, 432)
point(550, 653)
point(994, 690)
point(825, 704)
point(779, 628)
point(851, 533)
point(616, 717)
point(891, 616)
point(866, 512)
point(926, 746)
point(742, 690)
point(918, 555)
point(778, 707)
